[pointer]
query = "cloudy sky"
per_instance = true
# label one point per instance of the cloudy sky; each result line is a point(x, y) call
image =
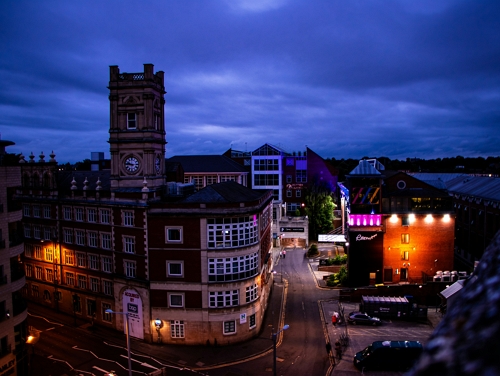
point(346, 78)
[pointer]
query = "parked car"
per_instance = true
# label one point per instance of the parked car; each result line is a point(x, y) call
point(388, 355)
point(363, 318)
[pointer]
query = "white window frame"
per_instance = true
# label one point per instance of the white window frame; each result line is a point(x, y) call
point(79, 237)
point(170, 231)
point(70, 278)
point(26, 210)
point(67, 213)
point(229, 327)
point(222, 299)
point(107, 264)
point(46, 211)
point(173, 295)
point(49, 254)
point(36, 232)
point(106, 241)
point(92, 215)
point(49, 275)
point(68, 236)
point(69, 258)
point(105, 216)
point(130, 268)
point(81, 261)
point(107, 287)
point(37, 252)
point(36, 211)
point(94, 284)
point(128, 218)
point(79, 214)
point(38, 272)
point(46, 233)
point(93, 262)
point(131, 120)
point(129, 244)
point(177, 329)
point(92, 239)
point(82, 281)
point(27, 230)
point(251, 293)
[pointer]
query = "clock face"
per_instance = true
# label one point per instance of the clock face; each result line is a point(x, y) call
point(158, 164)
point(131, 164)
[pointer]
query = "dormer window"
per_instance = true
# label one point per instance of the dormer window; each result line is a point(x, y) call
point(131, 121)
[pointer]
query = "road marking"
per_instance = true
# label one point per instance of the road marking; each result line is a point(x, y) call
point(43, 318)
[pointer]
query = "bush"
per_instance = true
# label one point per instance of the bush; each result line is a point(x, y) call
point(313, 251)
point(337, 260)
point(338, 279)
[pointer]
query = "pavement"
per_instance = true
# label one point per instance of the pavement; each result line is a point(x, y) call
point(200, 359)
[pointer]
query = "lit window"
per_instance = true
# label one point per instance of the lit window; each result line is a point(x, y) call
point(70, 279)
point(177, 328)
point(49, 254)
point(405, 238)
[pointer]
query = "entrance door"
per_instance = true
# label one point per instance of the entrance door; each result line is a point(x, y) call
point(404, 274)
point(388, 275)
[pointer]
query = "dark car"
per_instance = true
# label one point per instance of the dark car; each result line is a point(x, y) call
point(363, 318)
point(388, 355)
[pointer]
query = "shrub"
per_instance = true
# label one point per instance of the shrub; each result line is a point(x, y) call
point(337, 260)
point(313, 251)
point(338, 279)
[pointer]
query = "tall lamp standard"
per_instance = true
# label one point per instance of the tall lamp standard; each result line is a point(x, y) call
point(274, 346)
point(127, 333)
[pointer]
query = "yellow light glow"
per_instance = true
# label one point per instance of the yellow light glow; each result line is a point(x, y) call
point(411, 218)
point(428, 218)
point(394, 218)
point(446, 218)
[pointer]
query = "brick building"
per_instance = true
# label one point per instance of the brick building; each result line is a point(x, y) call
point(401, 229)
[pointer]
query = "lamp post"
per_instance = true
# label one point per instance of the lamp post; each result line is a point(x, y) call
point(275, 335)
point(158, 325)
point(127, 333)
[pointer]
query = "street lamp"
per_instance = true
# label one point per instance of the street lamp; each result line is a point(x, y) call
point(127, 333)
point(274, 346)
point(158, 325)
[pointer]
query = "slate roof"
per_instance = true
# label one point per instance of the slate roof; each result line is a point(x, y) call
point(206, 163)
point(227, 192)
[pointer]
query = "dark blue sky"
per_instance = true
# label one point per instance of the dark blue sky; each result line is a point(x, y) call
point(346, 78)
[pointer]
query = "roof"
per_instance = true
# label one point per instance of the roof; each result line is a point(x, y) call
point(64, 179)
point(226, 192)
point(365, 168)
point(206, 164)
point(268, 149)
point(478, 186)
point(430, 176)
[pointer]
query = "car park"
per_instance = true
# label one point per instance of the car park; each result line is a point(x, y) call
point(363, 318)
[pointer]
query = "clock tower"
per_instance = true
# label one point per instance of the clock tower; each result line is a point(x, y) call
point(137, 128)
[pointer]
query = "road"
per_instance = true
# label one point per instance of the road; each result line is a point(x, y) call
point(302, 351)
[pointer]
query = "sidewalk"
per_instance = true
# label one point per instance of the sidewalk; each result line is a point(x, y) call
point(196, 358)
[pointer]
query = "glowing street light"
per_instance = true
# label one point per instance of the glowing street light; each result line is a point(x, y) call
point(274, 346)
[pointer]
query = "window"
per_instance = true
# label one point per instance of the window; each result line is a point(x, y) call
point(405, 221)
point(107, 264)
point(232, 232)
point(69, 258)
point(107, 287)
point(67, 213)
point(29, 270)
point(46, 295)
point(36, 232)
point(289, 178)
point(28, 249)
point(46, 211)
point(82, 282)
point(80, 237)
point(289, 193)
point(105, 216)
point(177, 328)
point(38, 251)
point(232, 268)
point(35, 291)
point(131, 121)
point(91, 307)
point(251, 321)
point(174, 235)
point(405, 238)
point(38, 272)
point(211, 180)
point(175, 269)
point(301, 176)
point(93, 239)
point(70, 279)
point(223, 299)
point(128, 218)
point(405, 255)
point(176, 300)
point(92, 215)
point(106, 241)
point(36, 211)
point(266, 164)
point(93, 262)
point(27, 231)
point(46, 233)
point(128, 244)
point(266, 179)
point(77, 303)
point(80, 259)
point(105, 315)
point(229, 327)
point(68, 236)
point(49, 254)
point(130, 269)
point(79, 214)
point(49, 275)
point(26, 210)
point(251, 293)
point(94, 284)
point(298, 193)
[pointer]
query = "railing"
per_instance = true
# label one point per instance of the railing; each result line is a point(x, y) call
point(131, 76)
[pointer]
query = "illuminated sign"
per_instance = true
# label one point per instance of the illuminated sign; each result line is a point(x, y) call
point(360, 237)
point(365, 219)
point(292, 229)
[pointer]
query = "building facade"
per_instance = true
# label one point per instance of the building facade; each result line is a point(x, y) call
point(14, 336)
point(400, 229)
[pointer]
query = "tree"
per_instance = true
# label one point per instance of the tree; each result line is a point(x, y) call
point(319, 209)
